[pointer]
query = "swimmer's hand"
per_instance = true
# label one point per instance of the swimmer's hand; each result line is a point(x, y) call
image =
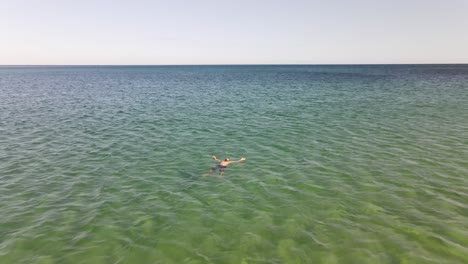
point(214, 157)
point(242, 159)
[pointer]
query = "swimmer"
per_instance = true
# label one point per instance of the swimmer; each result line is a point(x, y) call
point(223, 164)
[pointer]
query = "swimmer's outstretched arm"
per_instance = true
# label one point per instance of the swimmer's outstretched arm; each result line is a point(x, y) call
point(241, 159)
point(214, 157)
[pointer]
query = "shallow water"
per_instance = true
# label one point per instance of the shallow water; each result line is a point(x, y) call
point(345, 164)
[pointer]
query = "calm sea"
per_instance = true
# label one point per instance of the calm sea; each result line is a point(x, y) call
point(345, 164)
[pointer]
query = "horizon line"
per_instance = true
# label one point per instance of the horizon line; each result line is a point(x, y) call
point(230, 64)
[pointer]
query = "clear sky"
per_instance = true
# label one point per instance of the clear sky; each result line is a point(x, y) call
point(232, 32)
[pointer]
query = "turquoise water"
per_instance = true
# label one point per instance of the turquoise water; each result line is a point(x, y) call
point(345, 164)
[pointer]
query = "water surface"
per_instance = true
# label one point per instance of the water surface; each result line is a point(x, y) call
point(345, 164)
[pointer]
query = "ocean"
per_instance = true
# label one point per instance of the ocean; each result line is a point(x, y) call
point(345, 164)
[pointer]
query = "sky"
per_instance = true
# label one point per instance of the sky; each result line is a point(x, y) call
point(160, 32)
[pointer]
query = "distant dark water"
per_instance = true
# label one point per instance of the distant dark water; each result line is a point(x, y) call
point(345, 164)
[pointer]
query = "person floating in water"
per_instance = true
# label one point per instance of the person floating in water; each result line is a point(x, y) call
point(223, 164)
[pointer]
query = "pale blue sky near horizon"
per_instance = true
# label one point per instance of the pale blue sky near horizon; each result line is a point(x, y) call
point(143, 32)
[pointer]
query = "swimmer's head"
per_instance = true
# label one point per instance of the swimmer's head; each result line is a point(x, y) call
point(227, 159)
